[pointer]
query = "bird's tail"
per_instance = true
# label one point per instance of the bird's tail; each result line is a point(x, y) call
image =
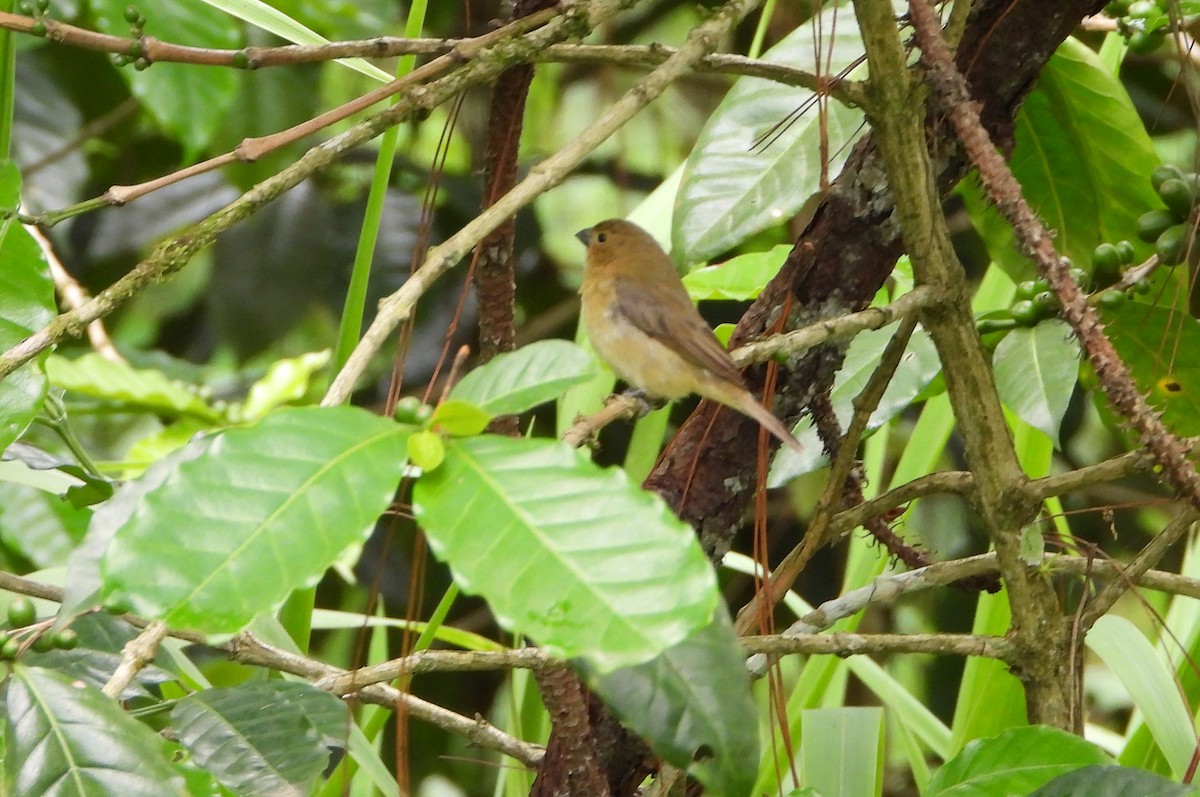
point(758, 412)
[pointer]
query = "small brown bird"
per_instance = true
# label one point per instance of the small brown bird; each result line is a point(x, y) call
point(640, 319)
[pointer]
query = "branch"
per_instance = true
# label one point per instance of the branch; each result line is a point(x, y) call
point(247, 649)
point(175, 252)
point(398, 307)
point(1037, 243)
point(155, 51)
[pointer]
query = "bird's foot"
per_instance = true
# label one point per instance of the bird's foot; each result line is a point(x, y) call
point(646, 403)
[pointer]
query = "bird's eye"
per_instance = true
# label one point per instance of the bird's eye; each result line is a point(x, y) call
point(601, 237)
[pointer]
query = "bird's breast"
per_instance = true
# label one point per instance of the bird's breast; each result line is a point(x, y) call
point(636, 357)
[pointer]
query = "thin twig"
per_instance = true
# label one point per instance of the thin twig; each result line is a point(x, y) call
point(137, 653)
point(397, 307)
point(74, 295)
point(1036, 242)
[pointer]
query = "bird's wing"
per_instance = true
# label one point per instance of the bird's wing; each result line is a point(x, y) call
point(682, 331)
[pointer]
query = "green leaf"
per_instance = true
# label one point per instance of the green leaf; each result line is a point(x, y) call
point(83, 581)
point(841, 751)
point(82, 489)
point(693, 698)
point(101, 638)
point(918, 366)
point(121, 383)
point(573, 555)
point(425, 449)
point(731, 188)
point(40, 526)
point(460, 418)
point(1083, 159)
point(26, 305)
point(1150, 682)
point(531, 375)
point(286, 380)
point(262, 738)
point(1036, 370)
point(1155, 343)
point(740, 278)
point(264, 510)
point(63, 737)
point(1112, 781)
point(1017, 761)
point(189, 102)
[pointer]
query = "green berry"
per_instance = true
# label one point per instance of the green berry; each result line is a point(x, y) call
point(10, 649)
point(42, 6)
point(1126, 250)
point(141, 64)
point(21, 612)
point(1164, 173)
point(1025, 313)
point(1179, 196)
point(1155, 223)
point(38, 29)
point(1112, 298)
point(132, 14)
point(1142, 9)
point(1117, 8)
point(1081, 277)
point(65, 639)
point(1027, 289)
point(25, 7)
point(1144, 42)
point(1172, 245)
point(1142, 287)
point(1106, 259)
point(1046, 303)
point(42, 643)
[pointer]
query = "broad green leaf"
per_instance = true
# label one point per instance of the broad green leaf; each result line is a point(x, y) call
point(531, 375)
point(63, 737)
point(121, 383)
point(734, 186)
point(918, 366)
point(693, 697)
point(39, 525)
point(1036, 370)
point(841, 751)
point(264, 510)
point(573, 555)
point(1157, 344)
point(189, 102)
point(261, 738)
point(1017, 761)
point(1083, 159)
point(740, 278)
point(83, 581)
point(1151, 685)
point(285, 381)
point(1113, 781)
point(460, 418)
point(26, 305)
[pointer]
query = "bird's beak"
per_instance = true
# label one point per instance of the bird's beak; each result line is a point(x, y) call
point(585, 236)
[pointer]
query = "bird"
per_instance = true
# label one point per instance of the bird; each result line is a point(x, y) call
point(641, 321)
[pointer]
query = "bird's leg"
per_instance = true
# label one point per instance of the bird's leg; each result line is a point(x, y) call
point(646, 402)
